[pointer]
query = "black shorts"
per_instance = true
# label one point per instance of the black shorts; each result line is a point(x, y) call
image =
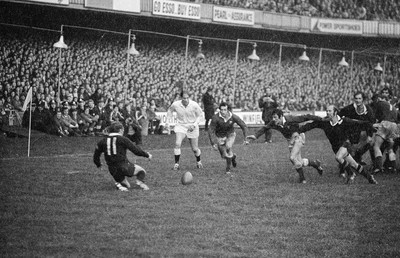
point(120, 171)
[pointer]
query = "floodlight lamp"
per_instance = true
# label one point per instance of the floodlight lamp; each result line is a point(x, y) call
point(343, 61)
point(60, 43)
point(378, 68)
point(254, 56)
point(304, 56)
point(132, 50)
point(200, 54)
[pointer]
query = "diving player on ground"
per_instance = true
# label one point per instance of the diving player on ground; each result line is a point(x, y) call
point(114, 147)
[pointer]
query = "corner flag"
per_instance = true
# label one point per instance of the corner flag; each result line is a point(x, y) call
point(28, 99)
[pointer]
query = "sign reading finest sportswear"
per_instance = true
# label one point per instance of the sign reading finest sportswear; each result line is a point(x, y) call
point(337, 26)
point(64, 2)
point(230, 15)
point(176, 9)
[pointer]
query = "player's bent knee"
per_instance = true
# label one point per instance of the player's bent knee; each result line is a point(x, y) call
point(339, 159)
point(298, 165)
point(197, 152)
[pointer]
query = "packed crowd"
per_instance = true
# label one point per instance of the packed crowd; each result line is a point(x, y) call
point(353, 9)
point(95, 69)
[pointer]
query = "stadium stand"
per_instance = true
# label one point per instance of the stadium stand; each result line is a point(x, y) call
point(353, 9)
point(95, 65)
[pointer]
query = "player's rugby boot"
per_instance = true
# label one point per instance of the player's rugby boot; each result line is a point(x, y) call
point(176, 166)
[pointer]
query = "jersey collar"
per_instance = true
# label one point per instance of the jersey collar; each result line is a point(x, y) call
point(364, 112)
point(225, 119)
point(283, 121)
point(338, 122)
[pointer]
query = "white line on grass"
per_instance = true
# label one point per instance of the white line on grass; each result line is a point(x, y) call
point(129, 156)
point(82, 154)
point(74, 172)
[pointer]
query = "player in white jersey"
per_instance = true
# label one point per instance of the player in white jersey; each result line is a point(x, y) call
point(188, 115)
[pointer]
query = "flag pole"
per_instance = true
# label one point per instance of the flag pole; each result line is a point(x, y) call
point(30, 123)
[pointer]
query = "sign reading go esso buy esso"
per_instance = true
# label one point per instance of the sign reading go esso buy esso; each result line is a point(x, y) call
point(176, 9)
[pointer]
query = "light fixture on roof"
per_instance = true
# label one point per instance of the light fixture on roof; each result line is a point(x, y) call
point(200, 54)
point(304, 56)
point(132, 50)
point(254, 56)
point(343, 61)
point(60, 43)
point(378, 67)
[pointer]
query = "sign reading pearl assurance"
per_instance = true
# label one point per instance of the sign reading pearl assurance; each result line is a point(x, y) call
point(231, 15)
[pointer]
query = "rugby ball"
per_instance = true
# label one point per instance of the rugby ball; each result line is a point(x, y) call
point(187, 178)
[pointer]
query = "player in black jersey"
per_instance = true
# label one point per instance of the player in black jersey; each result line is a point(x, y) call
point(361, 140)
point(336, 129)
point(114, 147)
point(289, 126)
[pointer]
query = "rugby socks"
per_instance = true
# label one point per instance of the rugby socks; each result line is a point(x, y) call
point(228, 164)
point(392, 165)
point(366, 174)
point(360, 169)
point(197, 154)
point(378, 162)
point(372, 155)
point(360, 152)
point(348, 169)
point(362, 172)
point(344, 167)
point(177, 153)
point(301, 174)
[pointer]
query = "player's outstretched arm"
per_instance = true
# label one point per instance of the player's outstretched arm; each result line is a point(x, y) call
point(309, 117)
point(242, 126)
point(309, 126)
point(135, 149)
point(259, 132)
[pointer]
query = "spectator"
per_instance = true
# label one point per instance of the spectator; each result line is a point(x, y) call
point(116, 115)
point(89, 123)
point(267, 104)
point(154, 120)
point(133, 130)
point(142, 117)
point(52, 107)
point(69, 124)
point(61, 128)
point(95, 114)
point(41, 119)
point(208, 105)
point(83, 125)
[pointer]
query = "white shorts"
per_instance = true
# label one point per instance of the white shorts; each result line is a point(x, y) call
point(297, 138)
point(179, 128)
point(387, 130)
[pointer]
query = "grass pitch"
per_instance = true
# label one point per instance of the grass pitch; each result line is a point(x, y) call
point(56, 203)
